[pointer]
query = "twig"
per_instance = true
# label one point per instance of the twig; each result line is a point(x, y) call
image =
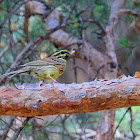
point(75, 70)
point(98, 70)
point(98, 24)
point(4, 50)
point(21, 128)
point(63, 124)
point(131, 124)
point(121, 121)
point(71, 10)
point(9, 126)
point(11, 13)
point(53, 120)
point(85, 9)
point(21, 56)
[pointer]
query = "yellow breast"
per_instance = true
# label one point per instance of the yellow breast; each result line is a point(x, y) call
point(47, 72)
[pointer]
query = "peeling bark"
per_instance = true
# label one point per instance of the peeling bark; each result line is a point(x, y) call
point(70, 98)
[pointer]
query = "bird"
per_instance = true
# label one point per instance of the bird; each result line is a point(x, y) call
point(49, 68)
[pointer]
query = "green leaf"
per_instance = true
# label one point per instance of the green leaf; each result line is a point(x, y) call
point(50, 124)
point(27, 126)
point(98, 8)
point(124, 43)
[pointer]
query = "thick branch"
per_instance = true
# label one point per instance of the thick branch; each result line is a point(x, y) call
point(70, 98)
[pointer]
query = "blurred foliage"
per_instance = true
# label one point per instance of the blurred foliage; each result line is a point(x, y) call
point(36, 27)
point(12, 34)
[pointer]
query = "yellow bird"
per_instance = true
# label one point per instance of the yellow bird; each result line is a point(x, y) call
point(49, 68)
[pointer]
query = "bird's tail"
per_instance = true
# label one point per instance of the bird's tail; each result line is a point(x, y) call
point(13, 73)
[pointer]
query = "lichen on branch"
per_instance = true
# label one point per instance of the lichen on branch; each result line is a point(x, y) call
point(71, 98)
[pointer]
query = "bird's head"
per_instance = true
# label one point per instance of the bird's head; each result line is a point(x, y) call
point(63, 54)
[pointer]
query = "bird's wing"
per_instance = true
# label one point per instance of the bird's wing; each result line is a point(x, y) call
point(35, 63)
point(53, 60)
point(24, 70)
point(44, 62)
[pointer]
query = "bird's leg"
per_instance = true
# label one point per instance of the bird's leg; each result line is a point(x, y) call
point(53, 79)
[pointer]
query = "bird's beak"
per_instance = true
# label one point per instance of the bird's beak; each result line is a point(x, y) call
point(72, 52)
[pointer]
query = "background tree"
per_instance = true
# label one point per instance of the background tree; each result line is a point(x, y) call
point(105, 35)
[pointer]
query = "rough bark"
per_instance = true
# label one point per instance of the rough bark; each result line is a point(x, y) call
point(106, 121)
point(70, 98)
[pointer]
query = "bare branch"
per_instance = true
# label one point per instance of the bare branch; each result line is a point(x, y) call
point(70, 98)
point(22, 55)
point(21, 128)
point(98, 24)
point(11, 13)
point(5, 135)
point(131, 124)
point(121, 121)
point(4, 50)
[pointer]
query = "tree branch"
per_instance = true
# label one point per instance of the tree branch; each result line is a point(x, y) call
point(70, 98)
point(11, 13)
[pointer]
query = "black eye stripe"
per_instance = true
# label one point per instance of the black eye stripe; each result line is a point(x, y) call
point(64, 54)
point(59, 53)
